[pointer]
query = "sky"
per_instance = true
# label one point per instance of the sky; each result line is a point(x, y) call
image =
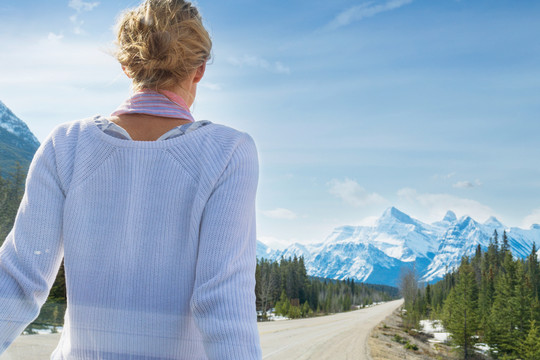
point(355, 106)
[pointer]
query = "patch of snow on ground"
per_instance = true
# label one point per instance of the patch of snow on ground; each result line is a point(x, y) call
point(375, 303)
point(49, 330)
point(482, 348)
point(274, 317)
point(435, 328)
point(271, 316)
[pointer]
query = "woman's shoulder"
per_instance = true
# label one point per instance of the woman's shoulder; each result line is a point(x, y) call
point(229, 137)
point(69, 129)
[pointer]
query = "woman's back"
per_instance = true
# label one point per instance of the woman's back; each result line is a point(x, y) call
point(157, 242)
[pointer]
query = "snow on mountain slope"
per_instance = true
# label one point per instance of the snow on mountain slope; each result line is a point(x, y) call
point(17, 143)
point(263, 251)
point(461, 238)
point(15, 126)
point(402, 237)
point(376, 254)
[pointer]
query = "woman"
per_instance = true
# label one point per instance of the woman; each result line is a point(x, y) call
point(153, 213)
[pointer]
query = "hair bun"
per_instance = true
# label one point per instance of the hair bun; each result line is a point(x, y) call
point(161, 42)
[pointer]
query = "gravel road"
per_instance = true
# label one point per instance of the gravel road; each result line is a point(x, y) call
point(335, 337)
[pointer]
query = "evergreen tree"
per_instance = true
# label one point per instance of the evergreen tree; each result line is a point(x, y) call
point(428, 300)
point(493, 251)
point(476, 263)
point(302, 280)
point(487, 292)
point(258, 284)
point(530, 346)
point(523, 299)
point(505, 247)
point(283, 305)
point(275, 281)
point(461, 309)
point(306, 310)
point(503, 330)
point(534, 271)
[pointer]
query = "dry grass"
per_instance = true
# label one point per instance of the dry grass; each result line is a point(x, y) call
point(388, 341)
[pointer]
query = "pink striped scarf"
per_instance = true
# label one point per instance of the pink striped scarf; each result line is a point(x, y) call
point(163, 103)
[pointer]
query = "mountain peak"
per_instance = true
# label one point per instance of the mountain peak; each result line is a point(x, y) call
point(450, 216)
point(493, 222)
point(394, 213)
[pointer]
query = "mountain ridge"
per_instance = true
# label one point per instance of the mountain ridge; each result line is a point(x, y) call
point(17, 142)
point(376, 254)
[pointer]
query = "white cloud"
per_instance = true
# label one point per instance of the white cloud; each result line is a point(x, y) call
point(80, 7)
point(257, 62)
point(467, 184)
point(432, 207)
point(367, 9)
point(275, 243)
point(532, 218)
point(54, 37)
point(77, 24)
point(61, 62)
point(463, 185)
point(280, 213)
point(352, 193)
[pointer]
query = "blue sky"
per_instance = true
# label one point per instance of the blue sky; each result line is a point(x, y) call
point(355, 106)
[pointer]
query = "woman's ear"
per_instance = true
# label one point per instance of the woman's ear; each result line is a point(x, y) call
point(199, 73)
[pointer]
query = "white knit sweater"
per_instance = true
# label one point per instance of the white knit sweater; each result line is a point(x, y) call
point(158, 240)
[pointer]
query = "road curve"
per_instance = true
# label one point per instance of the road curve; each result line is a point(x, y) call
point(335, 337)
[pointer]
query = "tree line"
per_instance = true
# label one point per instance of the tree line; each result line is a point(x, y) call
point(491, 298)
point(285, 286)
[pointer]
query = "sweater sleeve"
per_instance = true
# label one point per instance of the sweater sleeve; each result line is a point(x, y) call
point(32, 251)
point(223, 301)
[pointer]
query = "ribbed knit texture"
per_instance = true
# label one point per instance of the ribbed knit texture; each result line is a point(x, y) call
point(158, 239)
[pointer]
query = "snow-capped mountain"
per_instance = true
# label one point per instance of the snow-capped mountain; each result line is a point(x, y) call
point(376, 254)
point(17, 143)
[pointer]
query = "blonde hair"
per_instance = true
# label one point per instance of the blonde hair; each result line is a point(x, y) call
point(161, 42)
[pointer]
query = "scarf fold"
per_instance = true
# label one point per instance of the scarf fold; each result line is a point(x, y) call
point(160, 103)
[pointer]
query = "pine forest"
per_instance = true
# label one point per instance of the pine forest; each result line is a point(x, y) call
point(491, 298)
